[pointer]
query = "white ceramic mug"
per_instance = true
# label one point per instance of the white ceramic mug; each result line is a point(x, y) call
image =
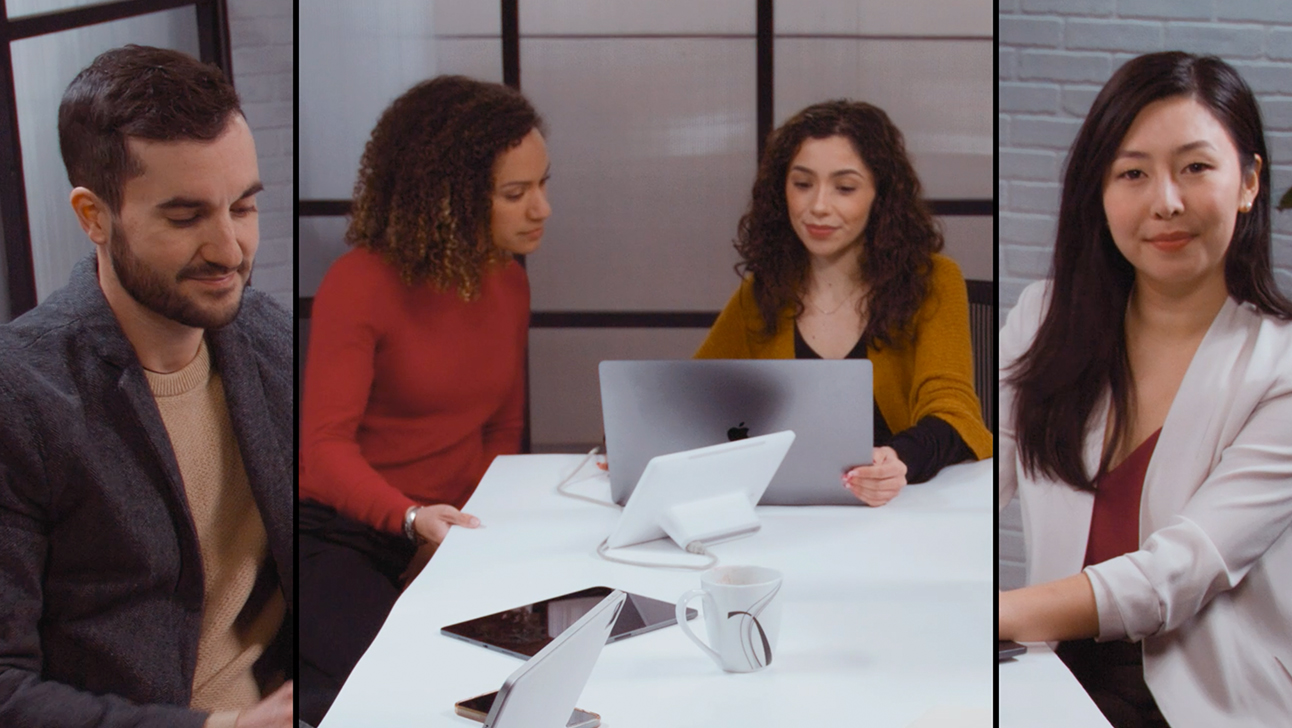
point(741, 615)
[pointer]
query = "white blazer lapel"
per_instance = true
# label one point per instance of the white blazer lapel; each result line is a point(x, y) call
point(1207, 414)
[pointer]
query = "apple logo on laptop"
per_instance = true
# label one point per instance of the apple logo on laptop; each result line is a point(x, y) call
point(739, 432)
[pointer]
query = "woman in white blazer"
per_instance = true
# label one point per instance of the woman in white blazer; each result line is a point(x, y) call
point(1146, 400)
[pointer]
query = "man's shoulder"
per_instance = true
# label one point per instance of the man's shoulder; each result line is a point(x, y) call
point(45, 340)
point(265, 325)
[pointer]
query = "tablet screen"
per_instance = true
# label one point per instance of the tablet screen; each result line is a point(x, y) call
point(524, 631)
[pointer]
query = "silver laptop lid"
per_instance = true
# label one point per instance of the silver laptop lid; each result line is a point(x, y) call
point(653, 408)
point(541, 693)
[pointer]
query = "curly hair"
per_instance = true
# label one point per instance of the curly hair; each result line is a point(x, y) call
point(423, 198)
point(900, 237)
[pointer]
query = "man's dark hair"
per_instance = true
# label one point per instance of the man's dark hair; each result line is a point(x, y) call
point(142, 92)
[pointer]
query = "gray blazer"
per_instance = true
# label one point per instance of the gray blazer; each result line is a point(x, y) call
point(101, 583)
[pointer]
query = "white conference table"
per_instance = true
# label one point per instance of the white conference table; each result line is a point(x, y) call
point(888, 613)
point(1036, 689)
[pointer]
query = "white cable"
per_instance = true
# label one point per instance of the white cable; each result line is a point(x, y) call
point(695, 547)
point(569, 480)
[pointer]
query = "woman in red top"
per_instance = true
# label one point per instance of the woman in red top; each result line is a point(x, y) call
point(415, 375)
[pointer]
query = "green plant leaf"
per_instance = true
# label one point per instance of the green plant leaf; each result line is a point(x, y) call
point(1286, 202)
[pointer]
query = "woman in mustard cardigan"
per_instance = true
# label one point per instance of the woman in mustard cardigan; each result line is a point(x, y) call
point(840, 260)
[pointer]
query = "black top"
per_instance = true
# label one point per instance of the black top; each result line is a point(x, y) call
point(926, 448)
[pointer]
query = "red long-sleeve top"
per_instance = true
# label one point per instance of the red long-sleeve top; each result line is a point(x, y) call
point(409, 392)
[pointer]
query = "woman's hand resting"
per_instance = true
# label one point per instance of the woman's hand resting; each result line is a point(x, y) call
point(879, 482)
point(432, 522)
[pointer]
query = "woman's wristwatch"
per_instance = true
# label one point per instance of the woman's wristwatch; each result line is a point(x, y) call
point(410, 516)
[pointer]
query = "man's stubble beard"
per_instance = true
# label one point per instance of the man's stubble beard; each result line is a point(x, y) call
point(155, 292)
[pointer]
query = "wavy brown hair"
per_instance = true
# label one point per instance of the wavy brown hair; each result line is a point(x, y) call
point(424, 194)
point(900, 237)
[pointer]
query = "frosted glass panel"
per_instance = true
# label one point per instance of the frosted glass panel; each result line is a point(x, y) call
point(43, 66)
point(939, 93)
point(653, 154)
point(340, 99)
point(18, 8)
point(465, 17)
point(909, 17)
point(620, 17)
point(564, 389)
point(321, 240)
point(971, 242)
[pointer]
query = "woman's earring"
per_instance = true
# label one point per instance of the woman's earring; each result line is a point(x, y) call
point(1247, 207)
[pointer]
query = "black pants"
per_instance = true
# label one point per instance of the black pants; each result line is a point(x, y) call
point(1113, 674)
point(348, 574)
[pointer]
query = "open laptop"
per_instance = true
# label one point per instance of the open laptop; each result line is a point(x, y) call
point(654, 408)
point(541, 693)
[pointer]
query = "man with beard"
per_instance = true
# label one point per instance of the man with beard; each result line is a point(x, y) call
point(146, 564)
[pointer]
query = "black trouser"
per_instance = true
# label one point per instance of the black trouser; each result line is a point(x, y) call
point(348, 575)
point(1113, 674)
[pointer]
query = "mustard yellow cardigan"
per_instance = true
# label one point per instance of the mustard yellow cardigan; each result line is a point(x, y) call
point(932, 375)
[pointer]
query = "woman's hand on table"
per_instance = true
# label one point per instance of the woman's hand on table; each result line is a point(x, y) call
point(879, 482)
point(432, 522)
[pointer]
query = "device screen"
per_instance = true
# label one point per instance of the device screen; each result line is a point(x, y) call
point(524, 631)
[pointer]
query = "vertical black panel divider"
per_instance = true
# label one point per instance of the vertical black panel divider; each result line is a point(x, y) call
point(511, 43)
point(13, 189)
point(511, 77)
point(765, 73)
point(213, 35)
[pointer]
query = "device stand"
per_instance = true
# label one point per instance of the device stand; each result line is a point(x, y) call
point(710, 520)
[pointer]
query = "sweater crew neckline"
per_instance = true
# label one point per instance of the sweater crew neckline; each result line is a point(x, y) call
point(194, 374)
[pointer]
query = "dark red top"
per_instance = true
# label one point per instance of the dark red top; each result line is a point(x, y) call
point(1114, 524)
point(409, 392)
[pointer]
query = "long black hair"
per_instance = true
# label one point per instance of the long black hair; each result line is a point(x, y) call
point(1080, 348)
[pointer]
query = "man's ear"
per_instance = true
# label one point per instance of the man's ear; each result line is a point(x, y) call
point(93, 214)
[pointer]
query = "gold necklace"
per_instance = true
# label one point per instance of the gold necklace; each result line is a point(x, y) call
point(834, 310)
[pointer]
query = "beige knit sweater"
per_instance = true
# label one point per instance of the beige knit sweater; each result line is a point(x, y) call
point(243, 606)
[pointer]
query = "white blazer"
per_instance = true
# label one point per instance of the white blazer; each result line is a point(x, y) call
point(1209, 592)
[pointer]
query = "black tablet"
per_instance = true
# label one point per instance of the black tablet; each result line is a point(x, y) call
point(523, 631)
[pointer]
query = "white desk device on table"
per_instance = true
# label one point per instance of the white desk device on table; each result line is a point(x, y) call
point(702, 496)
point(541, 693)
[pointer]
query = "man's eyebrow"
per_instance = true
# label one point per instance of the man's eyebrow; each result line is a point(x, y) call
point(181, 203)
point(188, 203)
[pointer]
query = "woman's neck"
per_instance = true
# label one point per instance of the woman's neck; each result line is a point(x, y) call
point(834, 278)
point(1175, 312)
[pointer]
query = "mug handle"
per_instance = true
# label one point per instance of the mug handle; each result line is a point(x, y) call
point(709, 608)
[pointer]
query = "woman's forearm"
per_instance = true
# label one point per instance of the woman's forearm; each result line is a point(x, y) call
point(1053, 611)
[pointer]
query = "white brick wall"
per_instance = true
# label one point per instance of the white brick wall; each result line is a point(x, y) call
point(1054, 57)
point(263, 67)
